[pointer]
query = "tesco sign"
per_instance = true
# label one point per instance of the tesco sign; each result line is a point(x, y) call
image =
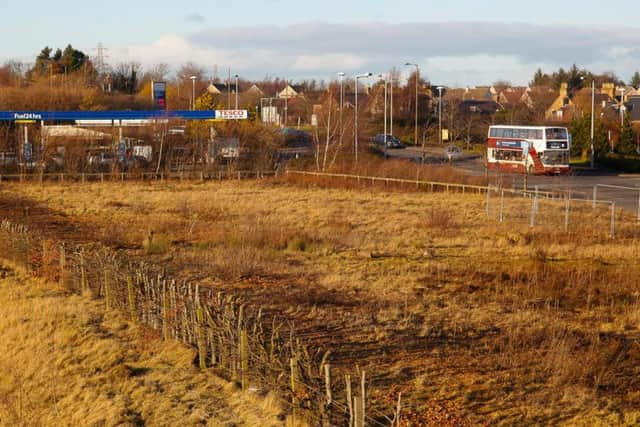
point(232, 114)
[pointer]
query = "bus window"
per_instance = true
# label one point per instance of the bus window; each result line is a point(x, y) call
point(508, 155)
point(556, 133)
point(555, 157)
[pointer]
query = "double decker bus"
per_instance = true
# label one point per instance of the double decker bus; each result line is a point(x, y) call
point(529, 149)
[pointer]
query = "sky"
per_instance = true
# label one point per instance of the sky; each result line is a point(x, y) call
point(455, 42)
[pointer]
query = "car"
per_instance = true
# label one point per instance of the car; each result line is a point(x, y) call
point(392, 141)
point(452, 152)
point(8, 158)
point(101, 161)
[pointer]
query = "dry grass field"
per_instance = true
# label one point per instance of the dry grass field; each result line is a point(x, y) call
point(491, 324)
point(65, 362)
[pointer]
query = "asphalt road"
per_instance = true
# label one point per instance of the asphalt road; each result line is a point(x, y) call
point(580, 182)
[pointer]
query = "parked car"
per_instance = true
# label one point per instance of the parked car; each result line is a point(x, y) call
point(392, 141)
point(8, 158)
point(452, 152)
point(101, 161)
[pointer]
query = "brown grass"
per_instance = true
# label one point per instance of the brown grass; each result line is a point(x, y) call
point(504, 324)
point(64, 361)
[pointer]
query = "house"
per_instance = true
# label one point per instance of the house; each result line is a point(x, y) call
point(514, 96)
point(633, 108)
point(220, 88)
point(566, 105)
point(480, 93)
point(291, 91)
point(255, 92)
point(602, 99)
point(559, 108)
point(479, 106)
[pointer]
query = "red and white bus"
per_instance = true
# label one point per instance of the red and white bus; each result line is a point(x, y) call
point(530, 149)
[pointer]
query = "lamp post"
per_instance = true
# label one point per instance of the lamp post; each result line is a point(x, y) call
point(391, 80)
point(409, 64)
point(593, 108)
point(384, 79)
point(440, 113)
point(286, 103)
point(358, 77)
point(236, 76)
point(592, 157)
point(193, 92)
point(621, 89)
point(341, 78)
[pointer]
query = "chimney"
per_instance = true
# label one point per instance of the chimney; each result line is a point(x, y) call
point(564, 90)
point(609, 89)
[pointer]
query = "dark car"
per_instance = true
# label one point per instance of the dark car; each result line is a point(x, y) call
point(392, 141)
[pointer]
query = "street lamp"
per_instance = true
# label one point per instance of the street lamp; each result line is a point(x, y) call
point(409, 64)
point(193, 92)
point(440, 113)
point(593, 108)
point(621, 89)
point(341, 78)
point(286, 103)
point(358, 77)
point(391, 81)
point(384, 79)
point(236, 76)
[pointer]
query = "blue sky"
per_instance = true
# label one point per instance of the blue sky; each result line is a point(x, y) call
point(456, 42)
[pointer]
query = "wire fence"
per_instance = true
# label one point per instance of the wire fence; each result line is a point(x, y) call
point(562, 209)
point(133, 176)
point(235, 341)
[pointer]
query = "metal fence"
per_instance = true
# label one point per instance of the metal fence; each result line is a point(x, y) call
point(562, 209)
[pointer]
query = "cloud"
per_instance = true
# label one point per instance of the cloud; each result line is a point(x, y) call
point(449, 52)
point(195, 18)
point(328, 62)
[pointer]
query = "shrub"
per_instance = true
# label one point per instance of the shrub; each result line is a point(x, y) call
point(155, 244)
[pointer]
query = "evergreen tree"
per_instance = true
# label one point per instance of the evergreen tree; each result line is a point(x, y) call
point(540, 79)
point(635, 80)
point(580, 129)
point(627, 139)
point(43, 62)
point(574, 78)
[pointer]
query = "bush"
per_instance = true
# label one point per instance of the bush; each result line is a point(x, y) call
point(621, 162)
point(155, 244)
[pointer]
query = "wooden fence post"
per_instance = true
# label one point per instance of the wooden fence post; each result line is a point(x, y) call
point(83, 277)
point(63, 265)
point(107, 295)
point(566, 213)
point(165, 311)
point(132, 300)
point(613, 220)
point(347, 379)
point(363, 396)
point(329, 397)
point(244, 359)
point(293, 365)
point(358, 409)
point(534, 205)
point(202, 348)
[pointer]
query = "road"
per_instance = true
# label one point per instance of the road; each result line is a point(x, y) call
point(581, 182)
